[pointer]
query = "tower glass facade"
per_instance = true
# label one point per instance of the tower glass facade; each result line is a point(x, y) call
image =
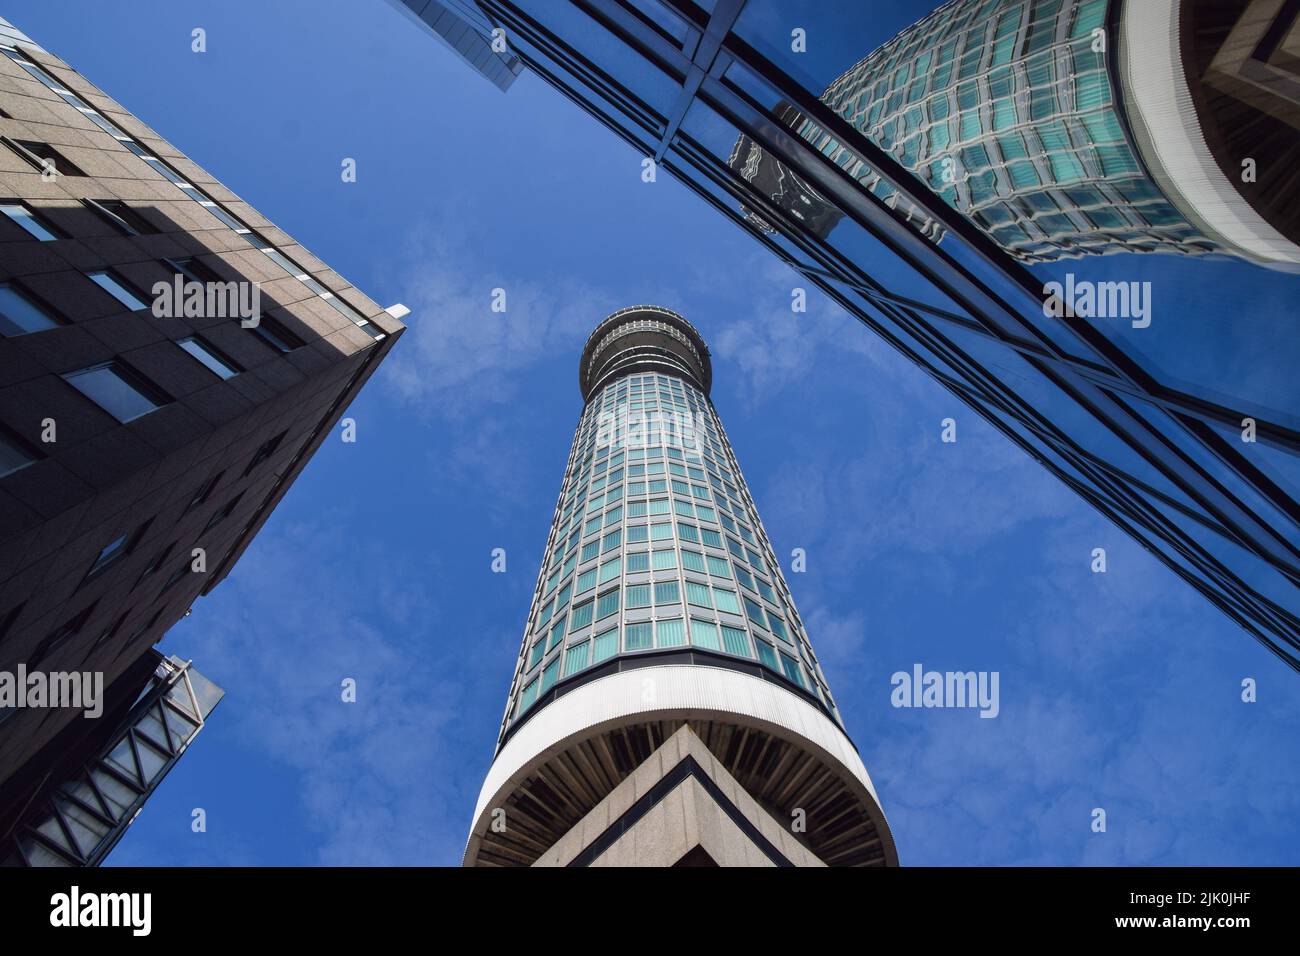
point(1007, 110)
point(656, 548)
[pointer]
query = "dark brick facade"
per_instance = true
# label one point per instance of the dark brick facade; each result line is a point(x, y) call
point(165, 479)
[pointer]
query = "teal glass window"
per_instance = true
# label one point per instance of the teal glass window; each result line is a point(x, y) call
point(636, 637)
point(736, 641)
point(607, 604)
point(604, 645)
point(705, 634)
point(670, 633)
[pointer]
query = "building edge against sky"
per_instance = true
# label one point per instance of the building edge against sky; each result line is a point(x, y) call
point(661, 604)
point(176, 435)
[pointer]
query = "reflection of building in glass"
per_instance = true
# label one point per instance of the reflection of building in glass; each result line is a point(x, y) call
point(461, 25)
point(660, 603)
point(798, 200)
point(1071, 127)
point(1160, 455)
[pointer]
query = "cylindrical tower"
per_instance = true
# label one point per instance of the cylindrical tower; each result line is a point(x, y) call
point(1074, 128)
point(660, 605)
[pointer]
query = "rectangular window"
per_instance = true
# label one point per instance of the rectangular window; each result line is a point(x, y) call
point(581, 616)
point(754, 613)
point(539, 651)
point(116, 549)
point(636, 509)
point(726, 600)
point(719, 567)
point(549, 674)
point(613, 517)
point(223, 514)
point(661, 532)
point(638, 561)
point(43, 156)
point(777, 627)
point(209, 357)
point(20, 313)
point(638, 595)
point(204, 490)
point(692, 561)
point(575, 658)
point(607, 604)
point(766, 654)
point(118, 289)
point(611, 540)
point(22, 215)
point(590, 550)
point(544, 616)
point(610, 570)
point(667, 592)
point(637, 637)
point(276, 335)
point(670, 633)
point(604, 646)
point(265, 451)
point(586, 581)
point(736, 641)
point(14, 453)
point(659, 506)
point(592, 525)
point(118, 390)
point(121, 217)
point(683, 508)
point(526, 698)
point(665, 560)
point(698, 594)
point(705, 634)
point(688, 532)
point(557, 635)
point(637, 534)
point(792, 669)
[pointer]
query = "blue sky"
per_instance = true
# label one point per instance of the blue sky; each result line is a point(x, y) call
point(1119, 691)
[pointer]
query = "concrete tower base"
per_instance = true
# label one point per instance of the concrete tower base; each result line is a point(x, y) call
point(680, 807)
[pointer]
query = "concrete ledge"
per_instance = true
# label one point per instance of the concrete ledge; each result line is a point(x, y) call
point(671, 693)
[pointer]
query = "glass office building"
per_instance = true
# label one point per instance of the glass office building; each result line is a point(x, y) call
point(660, 602)
point(1183, 431)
